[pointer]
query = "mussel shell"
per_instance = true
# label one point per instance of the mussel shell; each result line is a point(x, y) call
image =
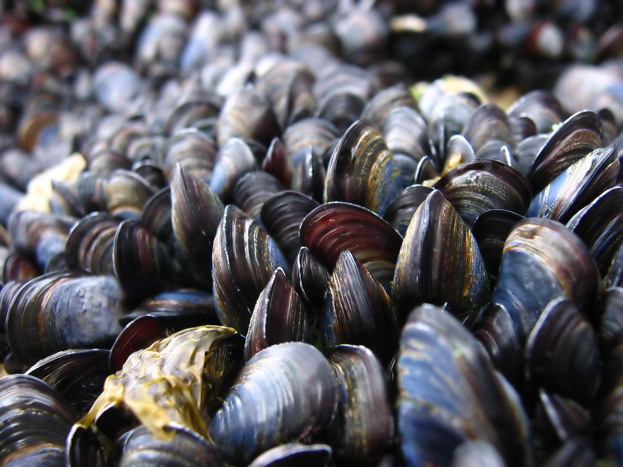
point(138, 334)
point(156, 215)
point(140, 261)
point(600, 225)
point(491, 230)
point(562, 353)
point(246, 114)
point(277, 163)
point(439, 262)
point(405, 132)
point(186, 448)
point(334, 227)
point(283, 394)
point(195, 215)
point(243, 259)
point(577, 451)
point(78, 375)
point(496, 332)
point(90, 241)
point(18, 267)
point(476, 453)
point(315, 132)
point(279, 316)
point(401, 209)
point(577, 186)
point(482, 185)
point(357, 310)
point(342, 110)
point(488, 130)
point(193, 149)
point(572, 140)
point(126, 194)
point(282, 215)
point(253, 190)
point(34, 419)
point(560, 419)
point(64, 200)
point(363, 426)
point(309, 175)
point(234, 159)
point(444, 380)
point(91, 191)
point(77, 312)
point(295, 455)
point(309, 277)
point(362, 170)
point(384, 102)
point(541, 107)
point(542, 260)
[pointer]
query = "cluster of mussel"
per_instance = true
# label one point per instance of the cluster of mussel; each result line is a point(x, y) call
point(264, 255)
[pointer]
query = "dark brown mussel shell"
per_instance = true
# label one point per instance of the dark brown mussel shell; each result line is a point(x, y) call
point(279, 316)
point(315, 132)
point(562, 353)
point(77, 312)
point(253, 190)
point(539, 106)
point(309, 277)
point(106, 160)
point(18, 267)
point(488, 130)
point(282, 215)
point(362, 170)
point(288, 87)
point(295, 455)
point(246, 114)
point(572, 140)
point(243, 259)
point(543, 260)
point(191, 148)
point(614, 276)
point(234, 159)
point(344, 78)
point(193, 106)
point(482, 185)
point(140, 261)
point(185, 449)
point(401, 209)
point(522, 128)
point(526, 152)
point(405, 132)
point(277, 163)
point(92, 191)
point(195, 215)
point(334, 227)
point(491, 230)
point(610, 406)
point(309, 175)
point(560, 420)
point(342, 110)
point(363, 426)
point(156, 215)
point(252, 420)
point(357, 310)
point(138, 334)
point(496, 333)
point(78, 375)
point(384, 102)
point(90, 241)
point(439, 262)
point(64, 200)
point(27, 228)
point(577, 186)
point(177, 309)
point(126, 194)
point(34, 420)
point(449, 393)
point(151, 171)
point(576, 452)
point(600, 225)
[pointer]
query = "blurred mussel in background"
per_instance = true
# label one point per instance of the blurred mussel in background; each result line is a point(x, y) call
point(311, 233)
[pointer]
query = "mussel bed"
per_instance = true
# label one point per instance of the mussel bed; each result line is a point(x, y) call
point(311, 233)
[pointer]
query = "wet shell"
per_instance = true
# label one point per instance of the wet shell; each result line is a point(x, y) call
point(283, 394)
point(439, 262)
point(362, 170)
